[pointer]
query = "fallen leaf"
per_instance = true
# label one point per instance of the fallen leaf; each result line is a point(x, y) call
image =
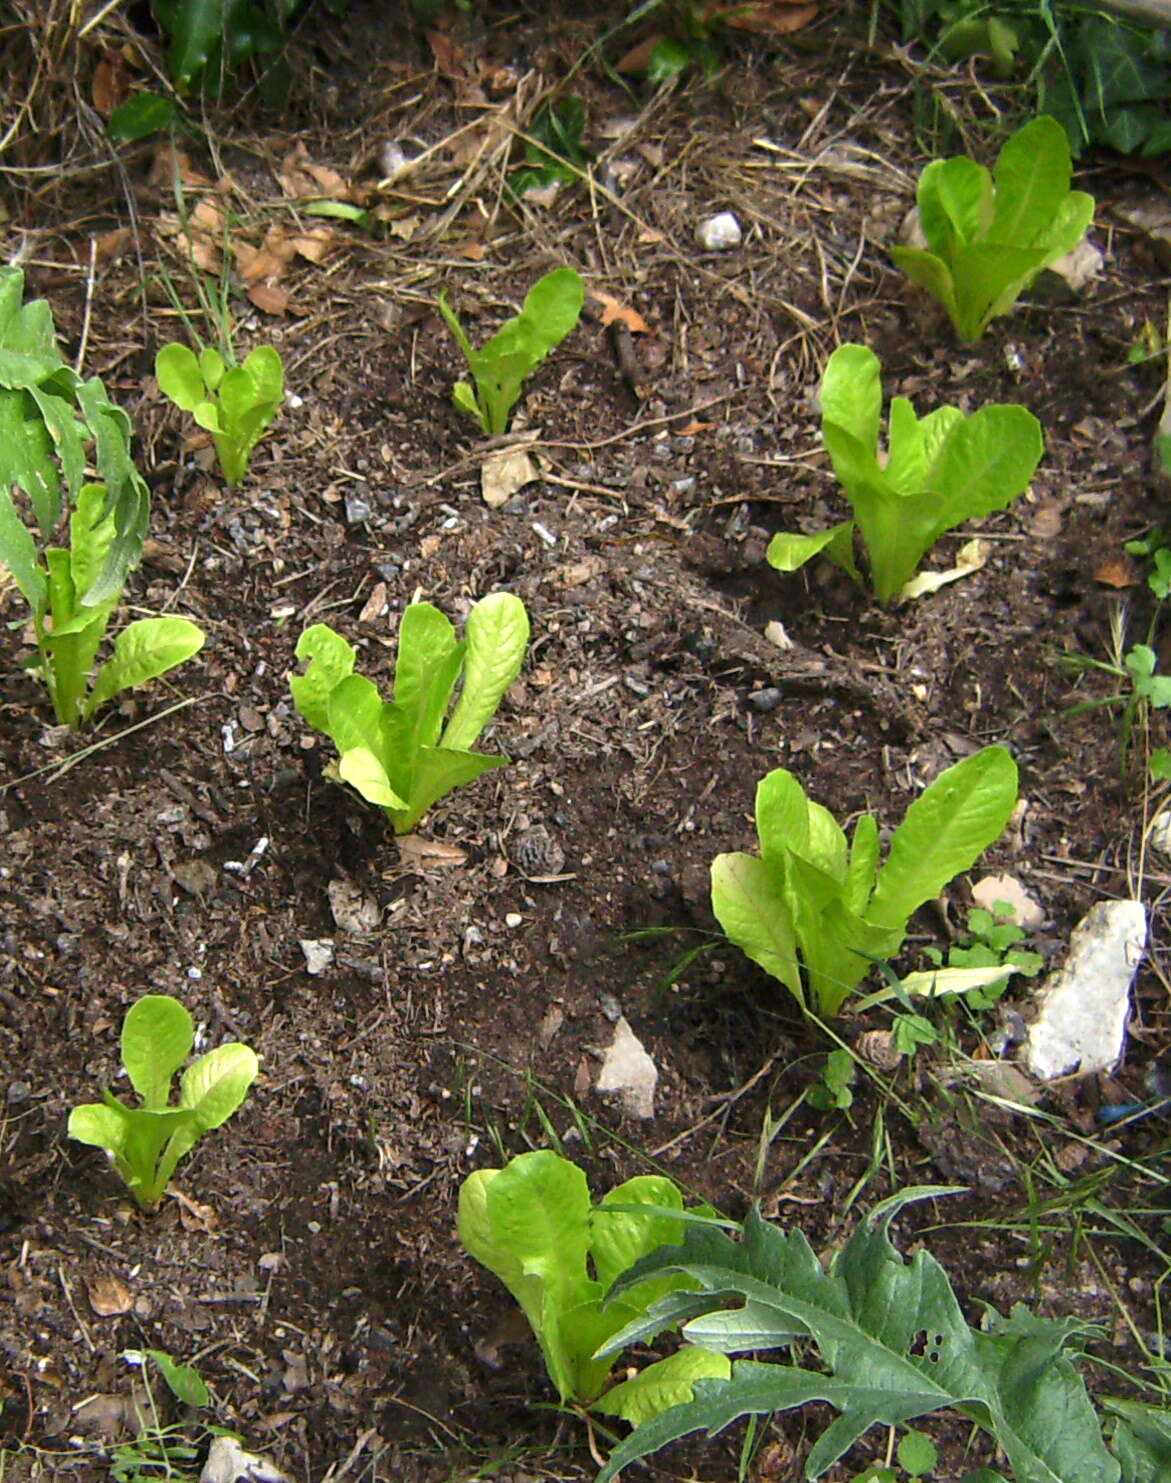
point(993, 888)
point(969, 558)
point(638, 58)
point(766, 17)
point(1047, 519)
point(694, 427)
point(449, 57)
point(169, 162)
point(375, 605)
point(108, 87)
point(269, 299)
point(417, 852)
point(108, 1296)
point(194, 1216)
point(629, 1071)
point(1116, 572)
point(614, 309)
point(472, 252)
point(650, 237)
point(504, 472)
point(299, 176)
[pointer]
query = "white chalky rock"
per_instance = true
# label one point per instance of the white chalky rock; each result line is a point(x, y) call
point(718, 233)
point(1159, 833)
point(1081, 1010)
point(629, 1071)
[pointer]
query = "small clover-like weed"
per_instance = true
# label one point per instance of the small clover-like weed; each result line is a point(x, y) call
point(992, 939)
point(832, 1092)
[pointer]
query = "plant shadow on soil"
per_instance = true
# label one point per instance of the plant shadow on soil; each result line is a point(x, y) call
point(311, 1269)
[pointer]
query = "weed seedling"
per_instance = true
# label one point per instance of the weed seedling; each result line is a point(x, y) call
point(937, 472)
point(146, 1143)
point(832, 1093)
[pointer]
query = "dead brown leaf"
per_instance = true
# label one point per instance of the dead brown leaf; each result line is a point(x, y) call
point(169, 161)
point(637, 59)
point(269, 299)
point(614, 310)
point(766, 17)
point(108, 87)
point(108, 1297)
point(1116, 572)
point(695, 426)
point(416, 853)
point(299, 176)
point(194, 1216)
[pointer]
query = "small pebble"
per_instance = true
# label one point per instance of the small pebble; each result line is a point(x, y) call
point(765, 700)
point(18, 1092)
point(358, 510)
point(719, 233)
point(513, 919)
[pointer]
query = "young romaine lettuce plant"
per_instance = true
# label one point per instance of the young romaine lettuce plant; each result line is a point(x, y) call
point(938, 471)
point(233, 403)
point(551, 309)
point(70, 630)
point(532, 1224)
point(399, 754)
point(146, 1143)
point(894, 1345)
point(51, 423)
point(989, 234)
point(817, 902)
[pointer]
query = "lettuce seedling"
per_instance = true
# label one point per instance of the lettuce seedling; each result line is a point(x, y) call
point(233, 403)
point(938, 471)
point(70, 631)
point(51, 424)
point(146, 1143)
point(550, 311)
point(817, 902)
point(393, 752)
point(989, 234)
point(532, 1224)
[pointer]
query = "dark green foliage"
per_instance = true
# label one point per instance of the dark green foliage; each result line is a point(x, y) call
point(1105, 80)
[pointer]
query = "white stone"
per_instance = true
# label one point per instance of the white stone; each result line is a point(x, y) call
point(718, 233)
point(1081, 1011)
point(318, 954)
point(629, 1071)
point(1160, 832)
point(227, 1462)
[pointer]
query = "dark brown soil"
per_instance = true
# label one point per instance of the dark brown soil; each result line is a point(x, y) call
point(311, 1270)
